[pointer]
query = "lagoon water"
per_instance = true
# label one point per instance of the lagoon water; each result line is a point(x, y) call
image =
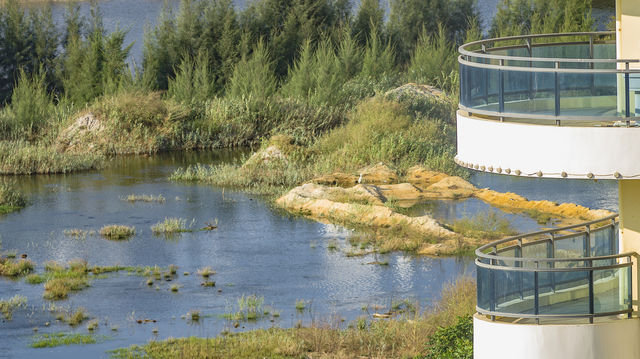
point(256, 250)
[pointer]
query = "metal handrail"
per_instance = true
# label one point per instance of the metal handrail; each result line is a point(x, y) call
point(493, 263)
point(464, 51)
point(494, 244)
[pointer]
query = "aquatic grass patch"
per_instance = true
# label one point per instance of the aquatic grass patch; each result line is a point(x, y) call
point(11, 199)
point(249, 308)
point(172, 226)
point(116, 232)
point(133, 198)
point(10, 267)
point(7, 306)
point(301, 304)
point(59, 339)
point(403, 336)
point(61, 280)
point(35, 279)
point(484, 225)
point(206, 272)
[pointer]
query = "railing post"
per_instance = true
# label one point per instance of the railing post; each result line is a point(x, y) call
point(591, 298)
point(630, 288)
point(530, 66)
point(587, 241)
point(501, 87)
point(557, 91)
point(519, 273)
point(627, 108)
point(536, 294)
point(485, 77)
point(551, 250)
point(591, 65)
point(492, 285)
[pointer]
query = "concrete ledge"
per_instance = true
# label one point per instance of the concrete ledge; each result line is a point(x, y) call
point(615, 338)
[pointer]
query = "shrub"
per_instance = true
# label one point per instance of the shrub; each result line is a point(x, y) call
point(253, 76)
point(454, 342)
point(31, 107)
point(10, 198)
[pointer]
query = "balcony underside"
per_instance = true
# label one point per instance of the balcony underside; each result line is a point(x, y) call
point(539, 149)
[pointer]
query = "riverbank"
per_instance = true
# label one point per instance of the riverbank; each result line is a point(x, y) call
point(400, 332)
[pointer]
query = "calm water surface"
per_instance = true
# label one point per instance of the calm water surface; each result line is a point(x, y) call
point(256, 250)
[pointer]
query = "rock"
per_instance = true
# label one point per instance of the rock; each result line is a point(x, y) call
point(85, 125)
point(452, 188)
point(265, 156)
point(401, 192)
point(378, 174)
point(415, 90)
point(422, 177)
point(336, 179)
point(357, 194)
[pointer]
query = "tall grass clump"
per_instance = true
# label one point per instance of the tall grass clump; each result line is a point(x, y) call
point(11, 199)
point(12, 268)
point(7, 306)
point(24, 158)
point(171, 226)
point(58, 339)
point(117, 232)
point(61, 280)
point(250, 308)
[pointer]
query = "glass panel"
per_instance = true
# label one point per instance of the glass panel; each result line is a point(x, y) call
point(573, 247)
point(483, 288)
point(571, 295)
point(514, 291)
point(611, 290)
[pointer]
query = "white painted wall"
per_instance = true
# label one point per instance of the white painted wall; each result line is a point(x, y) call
point(616, 339)
point(548, 150)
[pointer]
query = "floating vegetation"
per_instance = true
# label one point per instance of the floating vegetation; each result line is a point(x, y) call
point(172, 226)
point(174, 288)
point(12, 268)
point(8, 306)
point(73, 318)
point(249, 309)
point(193, 315)
point(117, 232)
point(173, 269)
point(59, 339)
point(333, 245)
point(132, 198)
point(301, 304)
point(206, 272)
point(93, 325)
point(62, 280)
point(211, 225)
point(208, 284)
point(403, 306)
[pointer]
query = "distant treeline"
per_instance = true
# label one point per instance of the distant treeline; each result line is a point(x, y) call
point(316, 51)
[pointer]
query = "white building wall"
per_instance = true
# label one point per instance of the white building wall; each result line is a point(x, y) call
point(616, 339)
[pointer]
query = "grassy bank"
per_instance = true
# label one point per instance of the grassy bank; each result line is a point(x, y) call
point(435, 333)
point(10, 198)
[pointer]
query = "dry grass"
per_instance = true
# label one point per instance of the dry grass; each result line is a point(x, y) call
point(8, 306)
point(12, 268)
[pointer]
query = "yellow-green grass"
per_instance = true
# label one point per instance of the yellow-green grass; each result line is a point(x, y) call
point(484, 225)
point(10, 198)
point(132, 198)
point(117, 232)
point(59, 339)
point(7, 306)
point(10, 267)
point(171, 226)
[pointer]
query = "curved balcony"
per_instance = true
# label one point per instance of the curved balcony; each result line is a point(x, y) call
point(561, 78)
point(570, 272)
point(552, 105)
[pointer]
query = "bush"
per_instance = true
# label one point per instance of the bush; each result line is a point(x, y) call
point(383, 131)
point(30, 109)
point(454, 342)
point(434, 60)
point(194, 82)
point(253, 76)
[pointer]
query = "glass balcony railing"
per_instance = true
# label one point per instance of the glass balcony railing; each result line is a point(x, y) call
point(551, 77)
point(570, 272)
